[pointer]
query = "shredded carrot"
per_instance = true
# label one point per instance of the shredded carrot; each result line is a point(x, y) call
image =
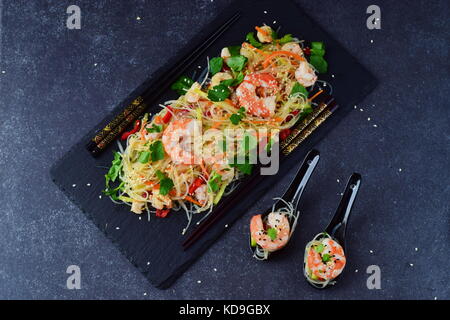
point(264, 32)
point(216, 125)
point(230, 102)
point(149, 183)
point(256, 49)
point(267, 61)
point(315, 96)
point(190, 199)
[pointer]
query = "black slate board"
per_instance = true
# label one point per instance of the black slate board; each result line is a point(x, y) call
point(155, 247)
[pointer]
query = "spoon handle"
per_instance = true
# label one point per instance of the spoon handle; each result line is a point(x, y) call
point(295, 190)
point(338, 224)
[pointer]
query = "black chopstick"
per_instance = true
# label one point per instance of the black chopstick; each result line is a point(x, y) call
point(137, 107)
point(316, 121)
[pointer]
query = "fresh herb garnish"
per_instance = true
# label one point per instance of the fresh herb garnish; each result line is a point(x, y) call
point(319, 248)
point(286, 39)
point(234, 82)
point(112, 175)
point(299, 89)
point(214, 181)
point(272, 233)
point(157, 150)
point(316, 58)
point(215, 65)
point(246, 167)
point(165, 183)
point(182, 85)
point(251, 39)
point(219, 93)
point(234, 50)
point(274, 35)
point(237, 63)
point(144, 157)
point(326, 257)
point(237, 117)
point(154, 128)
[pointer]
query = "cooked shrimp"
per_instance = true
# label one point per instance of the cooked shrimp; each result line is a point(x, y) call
point(219, 77)
point(305, 75)
point(180, 138)
point(293, 47)
point(277, 221)
point(191, 95)
point(257, 94)
point(225, 53)
point(326, 261)
point(264, 34)
point(201, 193)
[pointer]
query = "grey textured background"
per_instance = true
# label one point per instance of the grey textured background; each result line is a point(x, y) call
point(56, 84)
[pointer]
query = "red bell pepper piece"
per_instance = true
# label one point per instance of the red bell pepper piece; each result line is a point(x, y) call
point(168, 115)
point(162, 213)
point(135, 129)
point(195, 185)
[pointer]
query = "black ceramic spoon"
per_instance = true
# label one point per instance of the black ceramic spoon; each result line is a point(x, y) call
point(292, 196)
point(338, 224)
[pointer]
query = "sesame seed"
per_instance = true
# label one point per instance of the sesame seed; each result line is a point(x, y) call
point(226, 226)
point(371, 251)
point(215, 270)
point(371, 41)
point(375, 126)
point(148, 263)
point(416, 249)
point(95, 64)
point(138, 18)
point(275, 21)
point(337, 180)
point(74, 185)
point(88, 184)
point(399, 169)
point(435, 298)
point(332, 75)
point(117, 228)
point(100, 196)
point(355, 107)
point(361, 109)
point(3, 71)
point(140, 218)
point(412, 265)
point(356, 270)
point(368, 119)
point(199, 281)
point(265, 12)
point(145, 293)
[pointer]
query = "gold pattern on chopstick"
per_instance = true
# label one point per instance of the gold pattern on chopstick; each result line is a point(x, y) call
point(125, 123)
point(306, 132)
point(117, 120)
point(302, 125)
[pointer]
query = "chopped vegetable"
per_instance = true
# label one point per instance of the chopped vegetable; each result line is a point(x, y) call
point(135, 129)
point(219, 93)
point(155, 128)
point(162, 213)
point(326, 257)
point(237, 117)
point(275, 54)
point(182, 85)
point(237, 63)
point(286, 39)
point(251, 38)
point(195, 185)
point(144, 156)
point(319, 248)
point(215, 65)
point(299, 89)
point(165, 183)
point(272, 233)
point(234, 50)
point(157, 151)
point(213, 182)
point(319, 63)
point(168, 115)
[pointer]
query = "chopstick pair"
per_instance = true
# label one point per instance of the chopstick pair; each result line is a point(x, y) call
point(300, 132)
point(137, 107)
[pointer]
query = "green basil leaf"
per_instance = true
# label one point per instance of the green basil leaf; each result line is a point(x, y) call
point(214, 181)
point(144, 156)
point(237, 63)
point(215, 65)
point(182, 85)
point(165, 183)
point(219, 93)
point(234, 50)
point(299, 89)
point(157, 150)
point(319, 63)
point(252, 40)
point(286, 39)
point(154, 128)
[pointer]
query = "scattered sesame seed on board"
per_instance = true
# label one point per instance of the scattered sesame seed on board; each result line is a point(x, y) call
point(411, 265)
point(88, 184)
point(226, 226)
point(117, 228)
point(275, 21)
point(100, 196)
point(215, 270)
point(355, 107)
point(337, 180)
point(375, 126)
point(371, 251)
point(356, 270)
point(138, 18)
point(361, 109)
point(416, 249)
point(400, 169)
point(371, 41)
point(332, 75)
point(148, 263)
point(3, 71)
point(265, 12)
point(74, 185)
point(368, 119)
point(145, 293)
point(199, 281)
